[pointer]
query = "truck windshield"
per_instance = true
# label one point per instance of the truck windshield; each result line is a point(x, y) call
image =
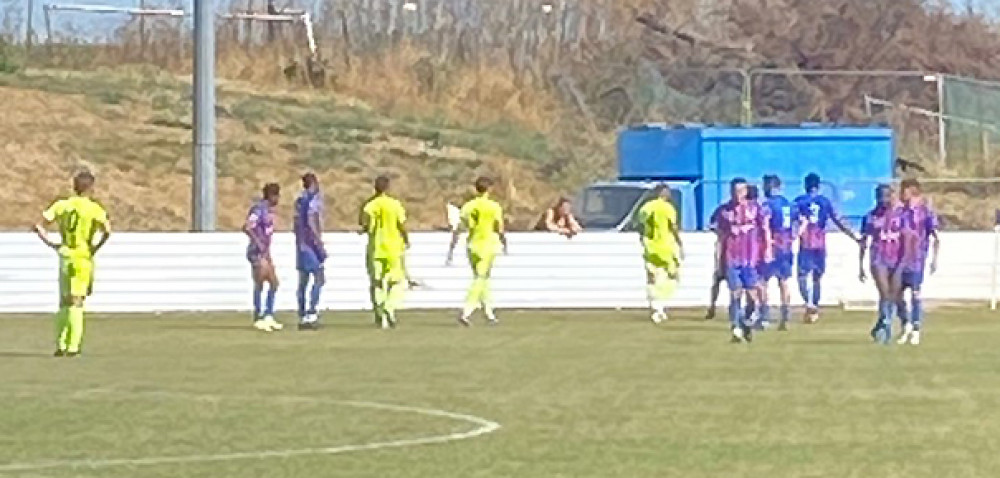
point(605, 207)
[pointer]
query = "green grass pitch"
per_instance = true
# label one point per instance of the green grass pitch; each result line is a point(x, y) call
point(577, 394)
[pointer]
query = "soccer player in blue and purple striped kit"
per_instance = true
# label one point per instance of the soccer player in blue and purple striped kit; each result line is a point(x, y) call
point(920, 225)
point(740, 226)
point(259, 228)
point(310, 251)
point(883, 225)
point(781, 219)
point(814, 211)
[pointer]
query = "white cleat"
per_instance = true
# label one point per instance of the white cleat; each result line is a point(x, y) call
point(273, 324)
point(915, 337)
point(658, 317)
point(737, 334)
point(907, 335)
point(262, 325)
point(464, 321)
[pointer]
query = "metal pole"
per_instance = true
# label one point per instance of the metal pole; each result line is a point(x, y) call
point(747, 97)
point(942, 142)
point(29, 32)
point(203, 180)
point(996, 263)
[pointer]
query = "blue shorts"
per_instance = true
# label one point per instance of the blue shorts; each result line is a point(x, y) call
point(309, 260)
point(741, 277)
point(780, 268)
point(812, 261)
point(913, 280)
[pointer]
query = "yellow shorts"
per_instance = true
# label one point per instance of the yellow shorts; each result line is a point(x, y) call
point(76, 276)
point(388, 269)
point(481, 261)
point(663, 259)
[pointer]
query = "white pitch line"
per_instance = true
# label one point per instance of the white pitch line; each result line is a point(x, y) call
point(483, 427)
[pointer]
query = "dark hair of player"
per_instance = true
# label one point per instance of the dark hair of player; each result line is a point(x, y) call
point(271, 190)
point(381, 184)
point(812, 182)
point(483, 184)
point(752, 192)
point(910, 183)
point(736, 182)
point(309, 180)
point(661, 190)
point(771, 181)
point(83, 182)
point(882, 191)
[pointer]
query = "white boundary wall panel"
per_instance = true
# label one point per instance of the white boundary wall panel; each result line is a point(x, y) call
point(146, 272)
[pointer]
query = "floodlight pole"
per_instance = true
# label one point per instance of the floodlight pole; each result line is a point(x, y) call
point(203, 170)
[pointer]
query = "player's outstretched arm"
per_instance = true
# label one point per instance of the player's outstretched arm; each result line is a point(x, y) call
point(105, 235)
point(936, 251)
point(502, 233)
point(455, 235)
point(43, 235)
point(861, 258)
point(839, 222)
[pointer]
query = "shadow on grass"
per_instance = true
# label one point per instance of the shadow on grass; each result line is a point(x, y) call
point(24, 354)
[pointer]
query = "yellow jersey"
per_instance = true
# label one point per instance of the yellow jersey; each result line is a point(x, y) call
point(79, 219)
point(483, 217)
point(658, 221)
point(385, 217)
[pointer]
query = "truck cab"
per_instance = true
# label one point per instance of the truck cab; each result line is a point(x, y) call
point(612, 205)
point(699, 162)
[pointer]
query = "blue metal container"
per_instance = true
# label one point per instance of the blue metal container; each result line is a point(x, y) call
point(850, 160)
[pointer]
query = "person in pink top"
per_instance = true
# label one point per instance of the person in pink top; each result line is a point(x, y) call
point(883, 226)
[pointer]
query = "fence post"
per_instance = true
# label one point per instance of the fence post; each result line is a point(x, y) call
point(984, 135)
point(996, 261)
point(942, 133)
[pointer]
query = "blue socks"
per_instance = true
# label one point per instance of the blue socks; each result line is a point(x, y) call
point(269, 307)
point(918, 313)
point(735, 309)
point(882, 333)
point(902, 312)
point(765, 312)
point(784, 312)
point(804, 288)
point(314, 295)
point(300, 293)
point(256, 301)
point(813, 298)
point(816, 291)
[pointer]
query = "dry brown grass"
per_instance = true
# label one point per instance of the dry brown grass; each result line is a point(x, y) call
point(143, 164)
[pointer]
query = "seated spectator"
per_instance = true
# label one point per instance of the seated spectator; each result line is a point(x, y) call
point(559, 219)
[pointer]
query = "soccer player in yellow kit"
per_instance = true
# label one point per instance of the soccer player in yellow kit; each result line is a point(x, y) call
point(661, 242)
point(383, 218)
point(483, 217)
point(79, 219)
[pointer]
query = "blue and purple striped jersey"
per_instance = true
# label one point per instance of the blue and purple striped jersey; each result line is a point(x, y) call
point(741, 227)
point(815, 210)
point(919, 224)
point(260, 223)
point(884, 225)
point(308, 205)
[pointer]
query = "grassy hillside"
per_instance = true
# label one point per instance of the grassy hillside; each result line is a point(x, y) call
point(132, 126)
